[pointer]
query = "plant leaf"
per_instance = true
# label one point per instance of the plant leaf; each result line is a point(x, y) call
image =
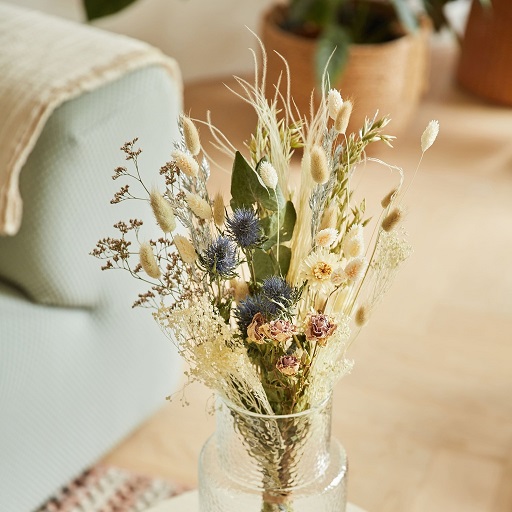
point(287, 220)
point(248, 189)
point(405, 15)
point(99, 8)
point(263, 264)
point(332, 52)
point(285, 257)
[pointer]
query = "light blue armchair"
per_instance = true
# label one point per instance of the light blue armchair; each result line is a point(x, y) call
point(78, 368)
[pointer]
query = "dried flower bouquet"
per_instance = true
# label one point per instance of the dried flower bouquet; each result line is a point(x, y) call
point(263, 296)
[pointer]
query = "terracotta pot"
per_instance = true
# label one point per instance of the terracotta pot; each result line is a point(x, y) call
point(389, 77)
point(485, 65)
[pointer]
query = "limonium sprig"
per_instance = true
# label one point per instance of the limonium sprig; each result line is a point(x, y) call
point(263, 293)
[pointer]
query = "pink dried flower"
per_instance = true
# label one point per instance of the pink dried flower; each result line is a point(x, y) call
point(319, 328)
point(288, 365)
point(279, 330)
point(254, 333)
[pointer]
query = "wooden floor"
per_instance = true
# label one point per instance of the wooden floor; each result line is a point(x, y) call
point(426, 415)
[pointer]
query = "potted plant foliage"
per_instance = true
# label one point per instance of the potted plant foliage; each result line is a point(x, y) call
point(376, 50)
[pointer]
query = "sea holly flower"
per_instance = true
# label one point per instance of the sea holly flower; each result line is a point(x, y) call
point(220, 259)
point(288, 365)
point(319, 328)
point(244, 227)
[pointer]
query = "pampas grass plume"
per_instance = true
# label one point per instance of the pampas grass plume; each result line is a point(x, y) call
point(162, 210)
point(319, 168)
point(191, 136)
point(386, 201)
point(199, 206)
point(219, 212)
point(362, 315)
point(334, 103)
point(343, 117)
point(329, 217)
point(148, 261)
point(392, 219)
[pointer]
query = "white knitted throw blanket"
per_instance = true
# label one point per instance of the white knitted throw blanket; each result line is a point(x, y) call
point(45, 61)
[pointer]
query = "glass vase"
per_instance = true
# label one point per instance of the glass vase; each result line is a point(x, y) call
point(280, 463)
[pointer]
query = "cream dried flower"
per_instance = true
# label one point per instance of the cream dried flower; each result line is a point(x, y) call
point(191, 136)
point(429, 135)
point(219, 211)
point(148, 261)
point(353, 242)
point(339, 276)
point(162, 211)
point(355, 269)
point(186, 163)
point(343, 117)
point(318, 165)
point(326, 237)
point(268, 175)
point(187, 252)
point(317, 269)
point(199, 206)
point(334, 103)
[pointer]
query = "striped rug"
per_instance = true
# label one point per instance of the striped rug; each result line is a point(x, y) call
point(110, 489)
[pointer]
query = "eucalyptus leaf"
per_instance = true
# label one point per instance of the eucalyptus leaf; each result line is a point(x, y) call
point(248, 189)
point(263, 264)
point(285, 257)
point(287, 219)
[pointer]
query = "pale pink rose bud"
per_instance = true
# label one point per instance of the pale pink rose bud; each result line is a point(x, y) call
point(254, 333)
point(191, 136)
point(429, 135)
point(355, 269)
point(185, 248)
point(288, 365)
point(148, 261)
point(199, 206)
point(318, 165)
point(186, 164)
point(343, 117)
point(162, 211)
point(268, 175)
point(319, 328)
point(280, 331)
point(326, 237)
point(334, 103)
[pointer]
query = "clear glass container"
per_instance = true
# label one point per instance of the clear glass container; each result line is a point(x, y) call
point(263, 463)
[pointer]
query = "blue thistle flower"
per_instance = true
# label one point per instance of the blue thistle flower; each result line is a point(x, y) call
point(275, 288)
point(244, 227)
point(220, 258)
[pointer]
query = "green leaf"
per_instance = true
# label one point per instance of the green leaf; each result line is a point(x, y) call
point(99, 8)
point(248, 189)
point(263, 264)
point(332, 52)
point(287, 220)
point(405, 15)
point(285, 257)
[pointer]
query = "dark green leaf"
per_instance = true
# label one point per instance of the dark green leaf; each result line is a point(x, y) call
point(99, 8)
point(263, 264)
point(285, 256)
point(332, 52)
point(248, 189)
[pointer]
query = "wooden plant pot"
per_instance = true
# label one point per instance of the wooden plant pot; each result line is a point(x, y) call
point(485, 64)
point(388, 77)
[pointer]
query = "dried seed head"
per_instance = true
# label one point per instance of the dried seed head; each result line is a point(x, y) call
point(329, 217)
point(392, 219)
point(219, 212)
point(353, 242)
point(429, 135)
point(326, 237)
point(185, 248)
point(191, 136)
point(199, 206)
point(319, 168)
point(148, 261)
point(334, 103)
point(362, 315)
point(162, 210)
point(268, 175)
point(355, 269)
point(386, 201)
point(186, 164)
point(343, 117)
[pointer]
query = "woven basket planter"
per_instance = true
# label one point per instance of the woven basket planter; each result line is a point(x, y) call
point(485, 65)
point(389, 77)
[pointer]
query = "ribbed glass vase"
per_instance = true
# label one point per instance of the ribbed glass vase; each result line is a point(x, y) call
point(263, 463)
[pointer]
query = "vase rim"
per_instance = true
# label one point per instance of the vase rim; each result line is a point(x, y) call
point(306, 412)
